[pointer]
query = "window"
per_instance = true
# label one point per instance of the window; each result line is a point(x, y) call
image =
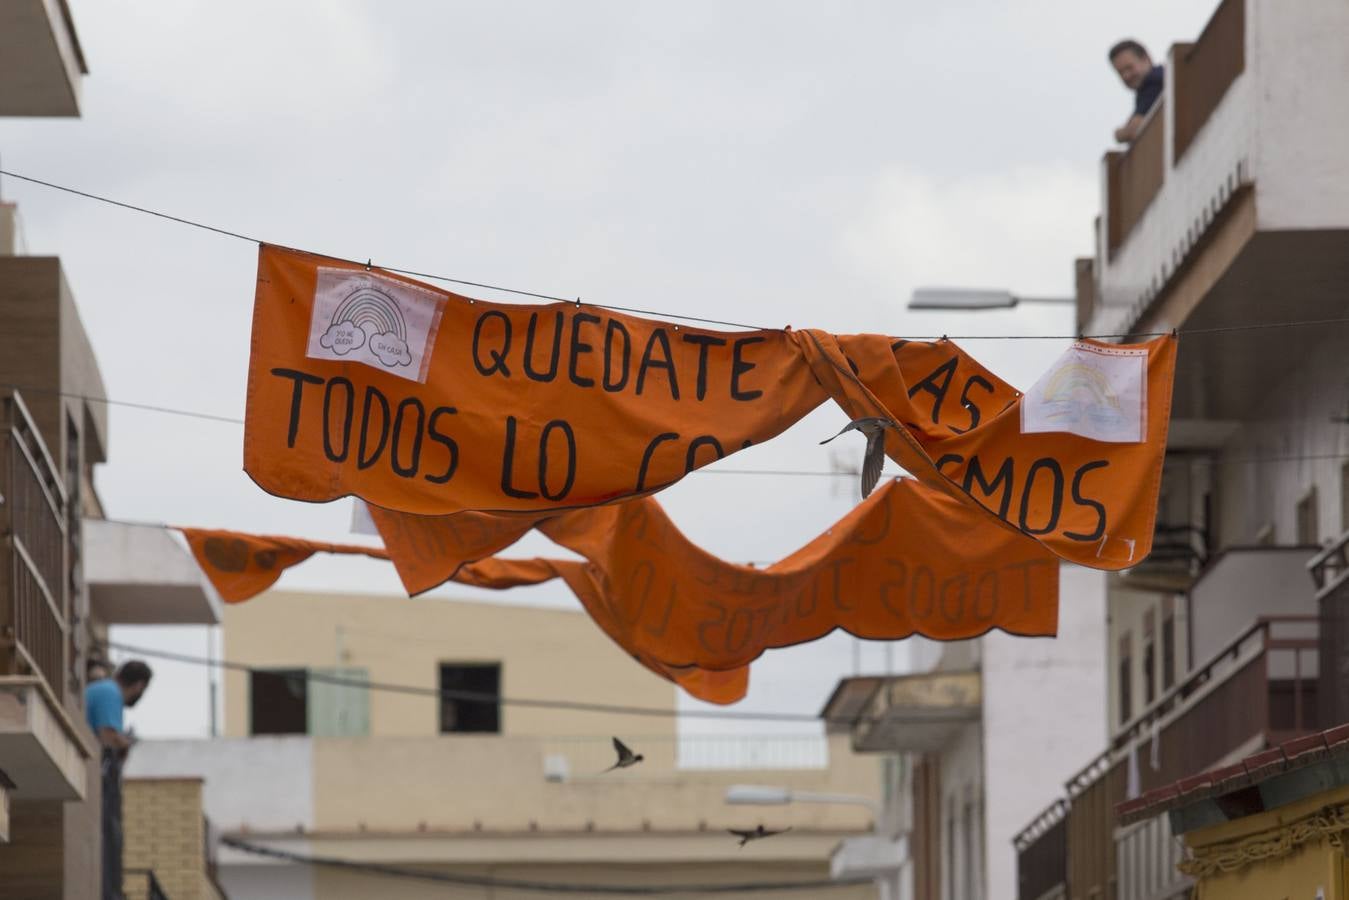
point(968, 824)
point(318, 702)
point(951, 890)
point(1344, 498)
point(1149, 657)
point(460, 715)
point(1168, 643)
point(1307, 534)
point(279, 701)
point(1126, 707)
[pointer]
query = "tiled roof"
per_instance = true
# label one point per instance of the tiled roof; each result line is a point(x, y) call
point(1288, 756)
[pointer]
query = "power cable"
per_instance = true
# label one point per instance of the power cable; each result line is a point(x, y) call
point(816, 473)
point(645, 312)
point(484, 696)
point(543, 887)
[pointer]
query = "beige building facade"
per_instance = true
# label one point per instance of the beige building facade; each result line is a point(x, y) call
point(473, 790)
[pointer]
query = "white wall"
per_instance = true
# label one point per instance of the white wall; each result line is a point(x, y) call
point(1296, 419)
point(263, 783)
point(1301, 59)
point(1044, 718)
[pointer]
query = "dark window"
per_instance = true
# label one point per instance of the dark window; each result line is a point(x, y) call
point(951, 850)
point(279, 701)
point(460, 715)
point(1126, 671)
point(1344, 498)
point(1168, 643)
point(1307, 531)
point(1149, 657)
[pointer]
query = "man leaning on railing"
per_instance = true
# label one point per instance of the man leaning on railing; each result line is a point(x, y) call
point(104, 702)
point(1136, 70)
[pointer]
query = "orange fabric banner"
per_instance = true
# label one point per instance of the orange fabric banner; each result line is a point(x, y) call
point(900, 563)
point(240, 566)
point(371, 384)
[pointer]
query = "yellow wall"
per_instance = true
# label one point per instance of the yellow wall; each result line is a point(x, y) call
point(545, 653)
point(1314, 866)
point(459, 783)
point(163, 831)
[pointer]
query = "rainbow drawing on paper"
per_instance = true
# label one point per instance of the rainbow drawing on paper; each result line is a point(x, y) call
point(1098, 393)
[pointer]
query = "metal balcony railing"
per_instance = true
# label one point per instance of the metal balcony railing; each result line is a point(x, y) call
point(141, 884)
point(1258, 691)
point(34, 625)
point(1200, 74)
point(1042, 854)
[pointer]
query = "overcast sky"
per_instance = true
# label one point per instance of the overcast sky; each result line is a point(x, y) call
point(767, 162)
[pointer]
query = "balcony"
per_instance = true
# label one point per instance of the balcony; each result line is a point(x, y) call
point(140, 575)
point(907, 713)
point(1042, 855)
point(1232, 206)
point(41, 63)
point(1257, 691)
point(44, 752)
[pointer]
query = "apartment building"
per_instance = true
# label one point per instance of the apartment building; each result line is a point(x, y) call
point(985, 727)
point(66, 573)
point(1230, 211)
point(313, 764)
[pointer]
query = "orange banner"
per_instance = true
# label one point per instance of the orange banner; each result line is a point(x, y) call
point(901, 563)
point(367, 383)
point(240, 566)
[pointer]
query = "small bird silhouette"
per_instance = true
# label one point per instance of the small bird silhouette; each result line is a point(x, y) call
point(756, 834)
point(625, 756)
point(874, 459)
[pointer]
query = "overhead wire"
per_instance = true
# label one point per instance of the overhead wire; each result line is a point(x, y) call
point(449, 279)
point(468, 696)
point(544, 887)
point(811, 473)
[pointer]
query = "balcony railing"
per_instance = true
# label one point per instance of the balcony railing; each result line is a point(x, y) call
point(1258, 691)
point(1206, 69)
point(33, 598)
point(1200, 74)
point(1042, 855)
point(1134, 177)
point(141, 884)
point(572, 757)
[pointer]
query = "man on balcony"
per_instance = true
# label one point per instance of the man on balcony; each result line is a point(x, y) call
point(1135, 68)
point(104, 702)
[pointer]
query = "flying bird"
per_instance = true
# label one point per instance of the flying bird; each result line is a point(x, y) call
point(756, 834)
point(874, 459)
point(625, 756)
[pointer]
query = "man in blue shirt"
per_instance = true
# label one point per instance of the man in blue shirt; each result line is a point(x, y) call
point(104, 702)
point(1135, 69)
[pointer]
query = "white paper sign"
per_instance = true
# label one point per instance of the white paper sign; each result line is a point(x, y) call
point(1099, 393)
point(363, 317)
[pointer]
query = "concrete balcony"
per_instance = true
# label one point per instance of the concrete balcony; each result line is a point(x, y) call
point(140, 575)
point(42, 750)
point(1256, 691)
point(41, 63)
point(908, 713)
point(1232, 206)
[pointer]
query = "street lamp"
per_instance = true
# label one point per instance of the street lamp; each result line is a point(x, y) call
point(973, 299)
